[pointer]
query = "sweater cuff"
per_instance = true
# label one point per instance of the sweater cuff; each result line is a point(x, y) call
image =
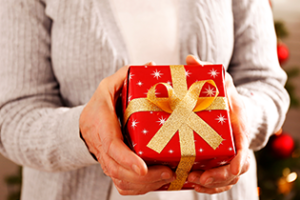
point(75, 145)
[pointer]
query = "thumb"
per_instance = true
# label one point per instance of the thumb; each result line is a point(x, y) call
point(193, 60)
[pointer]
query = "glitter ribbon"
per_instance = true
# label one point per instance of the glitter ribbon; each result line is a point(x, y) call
point(181, 103)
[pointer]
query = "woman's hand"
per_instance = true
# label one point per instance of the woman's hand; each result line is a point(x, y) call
point(222, 178)
point(101, 131)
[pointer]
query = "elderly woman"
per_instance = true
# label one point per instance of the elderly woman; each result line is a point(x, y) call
point(59, 81)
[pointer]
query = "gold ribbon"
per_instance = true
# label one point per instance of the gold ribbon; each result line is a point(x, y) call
point(181, 103)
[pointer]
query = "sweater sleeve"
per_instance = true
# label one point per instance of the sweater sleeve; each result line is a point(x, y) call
point(255, 69)
point(36, 130)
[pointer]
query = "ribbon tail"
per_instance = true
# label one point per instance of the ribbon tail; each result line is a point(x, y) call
point(220, 103)
point(188, 155)
point(204, 130)
point(139, 105)
point(164, 134)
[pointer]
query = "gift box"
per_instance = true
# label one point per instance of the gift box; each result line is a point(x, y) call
point(178, 116)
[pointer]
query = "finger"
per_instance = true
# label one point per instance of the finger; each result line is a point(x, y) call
point(193, 60)
point(138, 188)
point(113, 145)
point(154, 174)
point(151, 63)
point(216, 177)
point(241, 144)
point(201, 189)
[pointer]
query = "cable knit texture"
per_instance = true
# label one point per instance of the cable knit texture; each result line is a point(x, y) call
point(54, 53)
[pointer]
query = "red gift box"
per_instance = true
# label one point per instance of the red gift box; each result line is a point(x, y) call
point(187, 102)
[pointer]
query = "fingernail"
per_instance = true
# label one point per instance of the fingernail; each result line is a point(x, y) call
point(136, 169)
point(209, 181)
point(166, 176)
point(195, 179)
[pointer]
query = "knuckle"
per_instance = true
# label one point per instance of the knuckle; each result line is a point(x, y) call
point(122, 185)
point(107, 144)
point(123, 192)
point(235, 180)
point(113, 172)
point(224, 176)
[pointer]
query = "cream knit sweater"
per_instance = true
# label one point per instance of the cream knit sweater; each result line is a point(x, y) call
point(54, 53)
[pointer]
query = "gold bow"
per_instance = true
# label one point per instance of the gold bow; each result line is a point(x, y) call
point(182, 103)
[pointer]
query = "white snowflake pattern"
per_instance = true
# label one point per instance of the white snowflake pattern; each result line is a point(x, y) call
point(140, 83)
point(130, 76)
point(161, 121)
point(134, 123)
point(213, 73)
point(129, 98)
point(171, 151)
point(209, 91)
point(230, 149)
point(201, 150)
point(169, 82)
point(187, 73)
point(222, 162)
point(156, 74)
point(145, 131)
point(140, 152)
point(221, 119)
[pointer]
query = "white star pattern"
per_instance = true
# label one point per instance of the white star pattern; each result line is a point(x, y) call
point(209, 91)
point(187, 73)
point(134, 123)
point(140, 83)
point(140, 152)
point(221, 119)
point(213, 73)
point(156, 74)
point(130, 75)
point(222, 162)
point(161, 121)
point(129, 98)
point(169, 82)
point(230, 149)
point(145, 131)
point(171, 151)
point(201, 150)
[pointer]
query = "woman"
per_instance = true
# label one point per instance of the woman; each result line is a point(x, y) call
point(55, 53)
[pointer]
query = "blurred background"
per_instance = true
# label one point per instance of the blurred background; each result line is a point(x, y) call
point(278, 163)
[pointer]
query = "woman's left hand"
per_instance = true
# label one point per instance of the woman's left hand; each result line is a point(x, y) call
point(222, 178)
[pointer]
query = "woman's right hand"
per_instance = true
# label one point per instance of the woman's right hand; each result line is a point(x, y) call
point(101, 131)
